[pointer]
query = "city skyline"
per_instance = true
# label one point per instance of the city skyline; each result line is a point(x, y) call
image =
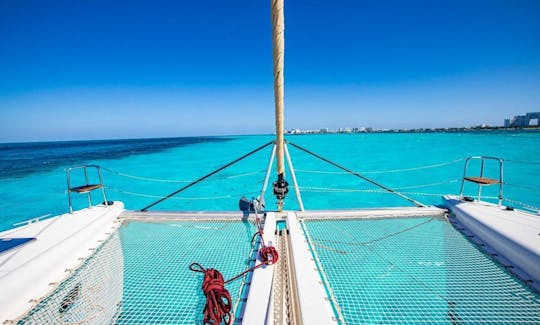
point(106, 70)
point(527, 120)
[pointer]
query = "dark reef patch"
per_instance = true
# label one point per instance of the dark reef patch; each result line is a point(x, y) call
point(21, 159)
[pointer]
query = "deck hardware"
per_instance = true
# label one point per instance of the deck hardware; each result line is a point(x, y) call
point(281, 188)
point(481, 180)
point(245, 205)
point(87, 187)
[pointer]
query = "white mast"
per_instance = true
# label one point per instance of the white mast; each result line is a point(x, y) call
point(278, 53)
point(278, 42)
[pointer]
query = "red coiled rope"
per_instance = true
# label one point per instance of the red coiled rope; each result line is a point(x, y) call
point(218, 300)
point(268, 255)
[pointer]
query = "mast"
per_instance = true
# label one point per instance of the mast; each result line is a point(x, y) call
point(278, 42)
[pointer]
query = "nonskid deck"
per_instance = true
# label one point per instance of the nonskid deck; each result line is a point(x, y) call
point(511, 236)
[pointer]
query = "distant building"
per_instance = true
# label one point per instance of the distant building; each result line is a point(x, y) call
point(519, 121)
point(534, 118)
point(323, 130)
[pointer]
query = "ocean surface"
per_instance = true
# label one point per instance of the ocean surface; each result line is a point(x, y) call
point(138, 172)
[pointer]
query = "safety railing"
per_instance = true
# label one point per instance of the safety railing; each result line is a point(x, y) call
point(481, 180)
point(87, 187)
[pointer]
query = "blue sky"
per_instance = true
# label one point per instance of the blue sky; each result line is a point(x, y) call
point(125, 69)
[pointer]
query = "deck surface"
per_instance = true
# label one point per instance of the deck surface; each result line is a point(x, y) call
point(514, 234)
point(61, 244)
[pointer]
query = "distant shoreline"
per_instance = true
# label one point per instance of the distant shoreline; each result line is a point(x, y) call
point(420, 130)
point(301, 132)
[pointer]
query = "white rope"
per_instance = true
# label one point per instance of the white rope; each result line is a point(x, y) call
point(244, 175)
point(145, 178)
point(172, 198)
point(325, 190)
point(426, 194)
point(351, 190)
point(523, 204)
point(338, 190)
point(385, 171)
point(173, 180)
point(426, 185)
point(524, 187)
point(523, 162)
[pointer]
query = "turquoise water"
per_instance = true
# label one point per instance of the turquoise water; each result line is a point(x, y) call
point(32, 181)
point(415, 270)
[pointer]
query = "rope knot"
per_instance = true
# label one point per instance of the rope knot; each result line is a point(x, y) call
point(218, 300)
point(213, 280)
point(268, 255)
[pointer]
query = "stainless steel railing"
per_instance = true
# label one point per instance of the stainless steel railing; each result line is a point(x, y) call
point(87, 187)
point(481, 180)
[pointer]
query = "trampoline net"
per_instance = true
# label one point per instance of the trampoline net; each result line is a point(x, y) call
point(414, 270)
point(141, 275)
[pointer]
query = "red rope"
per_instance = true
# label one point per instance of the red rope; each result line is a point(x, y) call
point(264, 254)
point(218, 300)
point(269, 255)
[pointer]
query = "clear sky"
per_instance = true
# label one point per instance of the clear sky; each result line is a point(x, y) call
point(124, 69)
